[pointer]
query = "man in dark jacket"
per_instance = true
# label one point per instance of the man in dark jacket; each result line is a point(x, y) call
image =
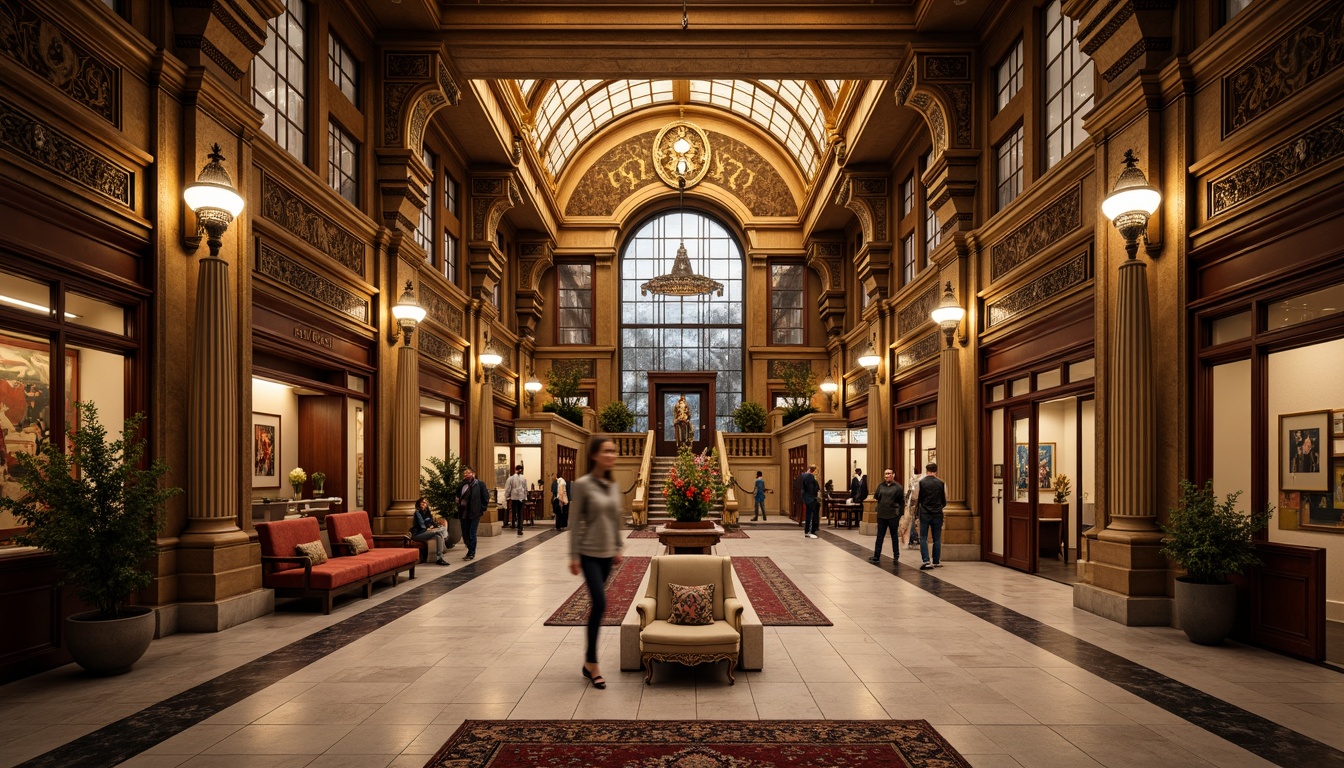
point(931, 500)
point(807, 483)
point(890, 506)
point(475, 499)
point(858, 487)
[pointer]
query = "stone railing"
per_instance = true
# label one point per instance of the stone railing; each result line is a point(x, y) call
point(639, 507)
point(628, 444)
point(749, 445)
point(730, 496)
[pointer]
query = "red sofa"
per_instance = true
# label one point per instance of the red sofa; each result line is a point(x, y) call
point(294, 575)
point(388, 555)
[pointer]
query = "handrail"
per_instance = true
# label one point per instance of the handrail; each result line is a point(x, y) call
point(729, 496)
point(639, 506)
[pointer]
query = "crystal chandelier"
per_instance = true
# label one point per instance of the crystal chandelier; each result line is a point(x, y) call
point(682, 280)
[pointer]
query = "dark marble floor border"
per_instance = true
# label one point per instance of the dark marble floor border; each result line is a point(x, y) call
point(117, 742)
point(1253, 733)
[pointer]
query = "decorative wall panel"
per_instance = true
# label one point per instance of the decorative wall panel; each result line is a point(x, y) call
point(441, 310)
point(1063, 215)
point(916, 311)
point(42, 48)
point(40, 143)
point(1289, 159)
point(441, 350)
point(298, 217)
point(858, 386)
point(1075, 271)
point(503, 386)
point(287, 271)
point(920, 351)
point(1290, 64)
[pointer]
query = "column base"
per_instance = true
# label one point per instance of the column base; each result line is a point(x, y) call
point(490, 528)
point(1129, 610)
point(956, 552)
point(217, 615)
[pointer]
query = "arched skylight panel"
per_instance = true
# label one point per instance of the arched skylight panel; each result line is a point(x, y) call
point(562, 95)
point(833, 87)
point(762, 108)
point(526, 87)
point(802, 100)
point(598, 108)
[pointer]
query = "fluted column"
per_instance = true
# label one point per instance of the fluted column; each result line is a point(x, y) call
point(951, 435)
point(1131, 458)
point(213, 479)
point(406, 432)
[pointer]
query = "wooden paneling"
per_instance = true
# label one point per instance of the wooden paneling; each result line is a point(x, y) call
point(33, 609)
point(322, 431)
point(1282, 602)
point(1058, 334)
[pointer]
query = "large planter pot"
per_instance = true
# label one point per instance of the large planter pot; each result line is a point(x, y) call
point(454, 531)
point(1206, 613)
point(109, 646)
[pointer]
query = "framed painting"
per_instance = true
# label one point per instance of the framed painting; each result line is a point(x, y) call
point(931, 456)
point(265, 450)
point(1337, 424)
point(998, 474)
point(1303, 465)
point(1044, 471)
point(25, 403)
point(1319, 512)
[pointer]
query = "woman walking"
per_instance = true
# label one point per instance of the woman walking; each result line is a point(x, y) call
point(595, 545)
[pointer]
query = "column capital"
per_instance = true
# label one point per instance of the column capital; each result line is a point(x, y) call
point(223, 37)
point(826, 257)
point(1119, 35)
point(536, 254)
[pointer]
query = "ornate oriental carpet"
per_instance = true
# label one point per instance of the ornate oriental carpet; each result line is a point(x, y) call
point(777, 600)
point(621, 587)
point(696, 744)
point(650, 534)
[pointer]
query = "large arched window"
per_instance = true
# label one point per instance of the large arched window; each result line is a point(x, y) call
point(668, 333)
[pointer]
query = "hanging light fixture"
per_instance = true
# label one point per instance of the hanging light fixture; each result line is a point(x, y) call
point(682, 280)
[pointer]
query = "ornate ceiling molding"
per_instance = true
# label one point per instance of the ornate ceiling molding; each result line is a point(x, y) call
point(536, 254)
point(1119, 33)
point(226, 34)
point(417, 82)
point(937, 83)
point(826, 257)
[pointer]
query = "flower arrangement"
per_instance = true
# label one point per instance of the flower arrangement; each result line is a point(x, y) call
point(319, 481)
point(693, 485)
point(1062, 488)
point(297, 476)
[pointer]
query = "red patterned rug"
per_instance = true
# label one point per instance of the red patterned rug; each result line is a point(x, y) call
point(621, 587)
point(697, 744)
point(650, 534)
point(777, 600)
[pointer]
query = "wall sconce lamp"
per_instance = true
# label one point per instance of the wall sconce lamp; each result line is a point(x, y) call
point(532, 386)
point(488, 361)
point(1130, 203)
point(408, 313)
point(870, 359)
point(215, 202)
point(948, 314)
point(830, 387)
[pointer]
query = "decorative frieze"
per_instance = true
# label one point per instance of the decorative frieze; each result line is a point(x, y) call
point(1289, 159)
point(42, 48)
point(586, 366)
point(916, 311)
point(1290, 64)
point(408, 65)
point(503, 386)
point(858, 386)
point(1075, 271)
point(439, 349)
point(287, 271)
point(441, 310)
point(1061, 216)
point(40, 143)
point(394, 97)
point(299, 218)
point(947, 67)
point(920, 351)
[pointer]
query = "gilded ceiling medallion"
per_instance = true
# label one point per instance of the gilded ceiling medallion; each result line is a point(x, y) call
point(695, 151)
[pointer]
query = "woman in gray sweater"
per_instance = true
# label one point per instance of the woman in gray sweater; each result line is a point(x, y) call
point(595, 505)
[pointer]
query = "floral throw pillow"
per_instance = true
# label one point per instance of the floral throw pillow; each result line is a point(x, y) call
point(691, 605)
point(313, 550)
point(357, 544)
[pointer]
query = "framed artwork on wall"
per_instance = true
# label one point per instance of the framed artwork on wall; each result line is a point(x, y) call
point(1337, 424)
point(931, 456)
point(1318, 512)
point(1045, 466)
point(25, 403)
point(1303, 464)
point(998, 474)
point(265, 450)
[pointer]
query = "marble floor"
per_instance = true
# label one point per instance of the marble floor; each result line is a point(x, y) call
point(1000, 662)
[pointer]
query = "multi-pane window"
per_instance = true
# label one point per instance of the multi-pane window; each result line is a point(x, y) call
point(424, 233)
point(279, 90)
point(1068, 85)
point(343, 69)
point(450, 194)
point(908, 195)
point(1232, 8)
point(1008, 77)
point(574, 286)
point(494, 298)
point(1010, 168)
point(786, 303)
point(450, 257)
point(670, 333)
point(932, 234)
point(908, 259)
point(342, 163)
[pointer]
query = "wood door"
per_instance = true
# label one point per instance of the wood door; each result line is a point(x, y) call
point(1020, 485)
point(322, 431)
point(797, 466)
point(664, 391)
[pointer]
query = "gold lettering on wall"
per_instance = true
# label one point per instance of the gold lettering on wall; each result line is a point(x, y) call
point(314, 336)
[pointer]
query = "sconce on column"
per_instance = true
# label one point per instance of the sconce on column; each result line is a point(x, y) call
point(532, 386)
point(830, 387)
point(408, 314)
point(1131, 203)
point(214, 200)
point(488, 361)
point(948, 314)
point(870, 359)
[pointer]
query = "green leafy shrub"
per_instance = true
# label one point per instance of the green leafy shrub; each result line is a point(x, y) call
point(440, 483)
point(750, 417)
point(800, 384)
point(616, 416)
point(1210, 539)
point(562, 384)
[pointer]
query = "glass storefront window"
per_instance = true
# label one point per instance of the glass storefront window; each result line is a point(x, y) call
point(1305, 308)
point(92, 313)
point(1082, 370)
point(1231, 328)
point(1047, 379)
point(528, 436)
point(833, 436)
point(25, 295)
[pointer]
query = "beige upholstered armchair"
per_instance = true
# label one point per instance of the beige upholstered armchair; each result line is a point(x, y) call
point(661, 640)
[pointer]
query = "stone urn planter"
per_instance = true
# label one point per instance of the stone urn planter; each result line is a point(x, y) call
point(1207, 613)
point(107, 647)
point(454, 532)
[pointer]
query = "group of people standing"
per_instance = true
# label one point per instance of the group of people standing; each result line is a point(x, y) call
point(927, 497)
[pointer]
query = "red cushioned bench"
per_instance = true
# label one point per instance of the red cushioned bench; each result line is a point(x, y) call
point(389, 554)
point(294, 575)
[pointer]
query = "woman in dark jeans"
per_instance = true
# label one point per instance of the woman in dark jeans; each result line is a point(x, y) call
point(595, 505)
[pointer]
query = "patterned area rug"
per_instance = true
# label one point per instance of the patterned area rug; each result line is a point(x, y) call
point(777, 600)
point(649, 534)
point(621, 587)
point(697, 744)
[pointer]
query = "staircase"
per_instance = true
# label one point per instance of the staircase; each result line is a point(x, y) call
point(659, 469)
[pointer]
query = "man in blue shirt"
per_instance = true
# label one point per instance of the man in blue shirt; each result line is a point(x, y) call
point(759, 510)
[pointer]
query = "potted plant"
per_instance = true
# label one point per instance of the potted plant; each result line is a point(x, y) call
point(98, 513)
point(562, 384)
point(1209, 540)
point(440, 483)
point(616, 416)
point(750, 417)
point(319, 481)
point(693, 486)
point(296, 478)
point(800, 384)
